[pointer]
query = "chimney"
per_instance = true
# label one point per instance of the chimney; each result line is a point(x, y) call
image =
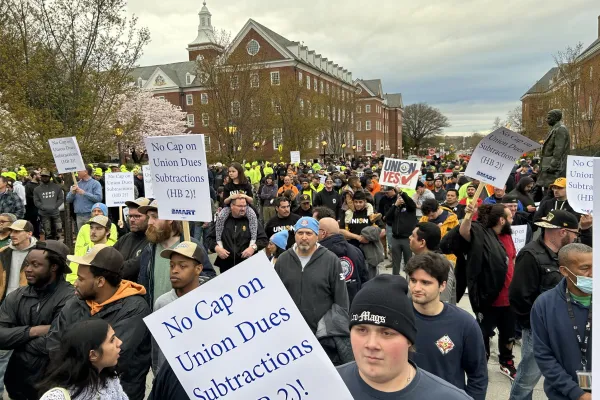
point(598, 26)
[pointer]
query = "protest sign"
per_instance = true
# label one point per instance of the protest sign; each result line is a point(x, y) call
point(322, 178)
point(295, 156)
point(399, 173)
point(494, 157)
point(360, 174)
point(180, 177)
point(67, 156)
point(519, 236)
point(148, 188)
point(119, 188)
point(241, 337)
point(580, 183)
point(596, 272)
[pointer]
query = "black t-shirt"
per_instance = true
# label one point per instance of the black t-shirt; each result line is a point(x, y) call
point(301, 213)
point(235, 188)
point(277, 224)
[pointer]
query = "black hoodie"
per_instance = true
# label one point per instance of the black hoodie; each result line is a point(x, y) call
point(130, 246)
point(404, 218)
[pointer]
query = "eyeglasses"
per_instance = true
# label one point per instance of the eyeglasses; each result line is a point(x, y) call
point(135, 216)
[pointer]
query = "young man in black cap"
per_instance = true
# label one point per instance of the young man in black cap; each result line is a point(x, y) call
point(102, 293)
point(26, 315)
point(304, 209)
point(329, 197)
point(186, 265)
point(382, 333)
point(449, 342)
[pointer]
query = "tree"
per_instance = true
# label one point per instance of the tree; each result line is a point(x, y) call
point(340, 119)
point(422, 121)
point(514, 119)
point(63, 65)
point(498, 123)
point(142, 115)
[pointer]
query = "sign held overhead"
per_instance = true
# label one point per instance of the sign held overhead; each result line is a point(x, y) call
point(399, 173)
point(67, 155)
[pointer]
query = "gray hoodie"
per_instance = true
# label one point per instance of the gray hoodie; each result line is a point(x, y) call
point(374, 249)
point(16, 263)
point(48, 198)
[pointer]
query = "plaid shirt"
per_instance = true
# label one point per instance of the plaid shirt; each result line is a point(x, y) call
point(11, 203)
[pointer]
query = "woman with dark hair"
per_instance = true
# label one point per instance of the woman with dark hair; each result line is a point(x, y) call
point(523, 193)
point(84, 368)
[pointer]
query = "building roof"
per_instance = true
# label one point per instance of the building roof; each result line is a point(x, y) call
point(175, 71)
point(593, 48)
point(394, 100)
point(274, 35)
point(543, 84)
point(206, 33)
point(374, 86)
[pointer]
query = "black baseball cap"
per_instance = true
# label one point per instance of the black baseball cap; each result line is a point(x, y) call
point(304, 198)
point(55, 247)
point(559, 219)
point(101, 256)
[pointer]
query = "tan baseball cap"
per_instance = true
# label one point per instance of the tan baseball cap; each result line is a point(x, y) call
point(139, 202)
point(150, 207)
point(101, 256)
point(21, 225)
point(186, 249)
point(100, 220)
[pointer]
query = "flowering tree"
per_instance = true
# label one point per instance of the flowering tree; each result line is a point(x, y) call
point(142, 115)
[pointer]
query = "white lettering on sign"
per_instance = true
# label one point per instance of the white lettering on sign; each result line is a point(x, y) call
point(119, 188)
point(495, 155)
point(519, 236)
point(580, 183)
point(180, 177)
point(67, 155)
point(399, 173)
point(242, 337)
point(148, 185)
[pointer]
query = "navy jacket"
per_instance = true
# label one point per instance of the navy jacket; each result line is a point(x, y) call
point(555, 345)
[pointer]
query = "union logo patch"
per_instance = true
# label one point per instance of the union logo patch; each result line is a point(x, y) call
point(445, 344)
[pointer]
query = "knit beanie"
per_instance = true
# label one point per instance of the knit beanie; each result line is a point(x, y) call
point(101, 206)
point(394, 310)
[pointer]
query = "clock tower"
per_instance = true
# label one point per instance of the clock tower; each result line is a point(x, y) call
point(205, 44)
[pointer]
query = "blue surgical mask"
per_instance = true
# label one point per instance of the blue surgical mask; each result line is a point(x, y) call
point(584, 283)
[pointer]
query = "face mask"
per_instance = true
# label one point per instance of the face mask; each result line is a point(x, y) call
point(583, 282)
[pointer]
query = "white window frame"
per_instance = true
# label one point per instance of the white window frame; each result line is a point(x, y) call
point(275, 78)
point(254, 109)
point(359, 145)
point(234, 82)
point(367, 108)
point(205, 119)
point(300, 78)
point(254, 80)
point(203, 98)
point(368, 145)
point(188, 78)
point(368, 125)
point(358, 126)
point(207, 142)
point(276, 107)
point(189, 100)
point(358, 109)
point(322, 86)
point(190, 121)
point(233, 108)
point(316, 84)
point(277, 134)
point(140, 82)
point(308, 82)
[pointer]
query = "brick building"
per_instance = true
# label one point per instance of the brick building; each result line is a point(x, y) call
point(573, 87)
point(281, 59)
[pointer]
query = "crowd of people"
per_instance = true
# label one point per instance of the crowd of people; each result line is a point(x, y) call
point(392, 262)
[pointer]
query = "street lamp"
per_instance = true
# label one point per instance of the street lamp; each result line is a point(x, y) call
point(344, 151)
point(324, 144)
point(232, 129)
point(119, 135)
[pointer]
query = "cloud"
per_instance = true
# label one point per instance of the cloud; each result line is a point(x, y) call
point(473, 59)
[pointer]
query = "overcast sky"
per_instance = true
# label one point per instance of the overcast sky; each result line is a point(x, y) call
point(473, 59)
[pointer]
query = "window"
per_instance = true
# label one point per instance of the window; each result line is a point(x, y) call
point(308, 82)
point(343, 95)
point(140, 82)
point(189, 99)
point(329, 113)
point(368, 145)
point(276, 107)
point(275, 78)
point(322, 112)
point(309, 108)
point(254, 80)
point(252, 47)
point(207, 142)
point(358, 108)
point(254, 108)
point(591, 72)
point(352, 117)
point(234, 82)
point(359, 145)
point(367, 108)
point(204, 98)
point(199, 57)
point(368, 125)
point(204, 119)
point(316, 85)
point(358, 126)
point(300, 80)
point(277, 138)
point(235, 108)
point(328, 89)
point(343, 115)
point(190, 120)
point(188, 78)
point(339, 113)
point(301, 106)
point(321, 84)
point(161, 97)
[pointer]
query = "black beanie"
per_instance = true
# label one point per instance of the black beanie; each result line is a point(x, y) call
point(394, 310)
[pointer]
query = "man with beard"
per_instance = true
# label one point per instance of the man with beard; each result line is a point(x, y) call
point(154, 270)
point(438, 189)
point(48, 197)
point(453, 204)
point(471, 189)
point(559, 201)
point(99, 232)
point(304, 209)
point(6, 221)
point(185, 262)
point(22, 328)
point(312, 274)
point(488, 274)
point(448, 338)
point(102, 293)
point(284, 219)
point(519, 217)
point(537, 271)
point(236, 241)
point(329, 198)
point(132, 244)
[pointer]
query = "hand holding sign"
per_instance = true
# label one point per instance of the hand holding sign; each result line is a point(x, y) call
point(399, 173)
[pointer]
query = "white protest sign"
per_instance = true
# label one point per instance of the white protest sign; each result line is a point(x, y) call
point(295, 156)
point(241, 337)
point(119, 188)
point(596, 271)
point(580, 183)
point(360, 174)
point(519, 236)
point(67, 155)
point(399, 173)
point(148, 185)
point(180, 177)
point(495, 155)
point(323, 178)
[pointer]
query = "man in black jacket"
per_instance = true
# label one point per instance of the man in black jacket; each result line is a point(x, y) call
point(558, 201)
point(26, 315)
point(403, 215)
point(48, 197)
point(536, 271)
point(132, 244)
point(283, 220)
point(31, 211)
point(236, 238)
point(329, 198)
point(102, 293)
point(351, 258)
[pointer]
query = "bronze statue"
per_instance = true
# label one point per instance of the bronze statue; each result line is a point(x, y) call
point(555, 150)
